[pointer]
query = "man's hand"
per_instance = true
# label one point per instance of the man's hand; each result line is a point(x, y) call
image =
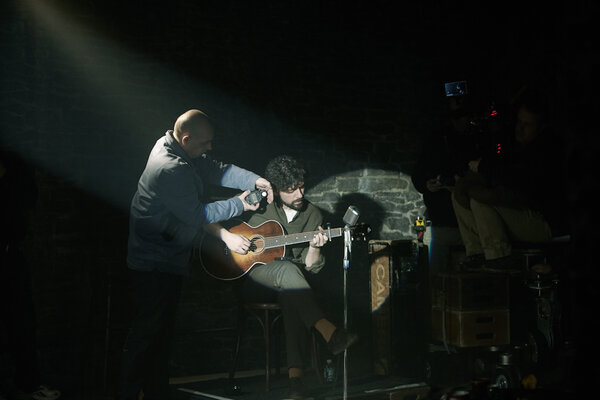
point(319, 240)
point(314, 248)
point(247, 206)
point(263, 184)
point(236, 243)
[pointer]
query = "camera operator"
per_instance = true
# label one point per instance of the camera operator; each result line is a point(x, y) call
point(515, 195)
point(442, 160)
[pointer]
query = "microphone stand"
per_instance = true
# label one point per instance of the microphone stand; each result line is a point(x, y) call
point(347, 256)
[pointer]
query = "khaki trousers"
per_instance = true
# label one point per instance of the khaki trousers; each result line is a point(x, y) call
point(490, 229)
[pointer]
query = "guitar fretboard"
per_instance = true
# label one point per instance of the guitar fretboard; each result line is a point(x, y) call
point(285, 240)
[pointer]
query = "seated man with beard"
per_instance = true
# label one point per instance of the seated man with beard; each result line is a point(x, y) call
point(284, 280)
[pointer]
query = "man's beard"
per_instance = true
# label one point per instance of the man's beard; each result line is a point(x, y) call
point(297, 205)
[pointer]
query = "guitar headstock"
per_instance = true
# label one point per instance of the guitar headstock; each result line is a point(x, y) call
point(360, 231)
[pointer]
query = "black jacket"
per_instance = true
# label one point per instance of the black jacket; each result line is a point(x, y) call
point(530, 176)
point(444, 154)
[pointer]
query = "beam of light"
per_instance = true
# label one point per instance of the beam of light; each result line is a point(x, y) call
point(113, 102)
point(116, 103)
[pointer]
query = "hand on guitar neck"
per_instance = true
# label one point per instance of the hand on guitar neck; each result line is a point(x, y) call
point(314, 249)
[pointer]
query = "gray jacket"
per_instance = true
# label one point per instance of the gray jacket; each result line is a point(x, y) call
point(169, 207)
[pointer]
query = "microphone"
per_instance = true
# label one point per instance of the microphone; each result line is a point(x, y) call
point(351, 216)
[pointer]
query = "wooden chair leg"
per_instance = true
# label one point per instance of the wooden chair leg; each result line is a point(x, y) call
point(267, 320)
point(267, 334)
point(277, 342)
point(241, 328)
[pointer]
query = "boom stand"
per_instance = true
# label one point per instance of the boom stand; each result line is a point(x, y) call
point(347, 255)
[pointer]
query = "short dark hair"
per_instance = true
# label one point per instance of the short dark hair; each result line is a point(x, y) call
point(284, 172)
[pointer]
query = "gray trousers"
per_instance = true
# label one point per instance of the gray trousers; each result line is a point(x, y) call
point(284, 282)
point(490, 229)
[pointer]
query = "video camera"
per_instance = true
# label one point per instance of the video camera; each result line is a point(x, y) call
point(481, 129)
point(484, 119)
point(458, 88)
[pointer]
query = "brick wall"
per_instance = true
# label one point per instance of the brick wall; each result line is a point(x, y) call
point(87, 88)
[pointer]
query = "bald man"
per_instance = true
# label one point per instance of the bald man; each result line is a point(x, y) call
point(167, 216)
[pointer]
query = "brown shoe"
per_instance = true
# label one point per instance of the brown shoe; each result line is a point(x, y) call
point(341, 340)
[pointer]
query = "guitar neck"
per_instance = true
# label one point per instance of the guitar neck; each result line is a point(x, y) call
point(295, 238)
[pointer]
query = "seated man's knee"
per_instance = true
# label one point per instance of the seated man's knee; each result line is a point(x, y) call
point(291, 277)
point(477, 205)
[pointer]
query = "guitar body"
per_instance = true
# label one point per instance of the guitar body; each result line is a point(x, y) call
point(222, 263)
point(268, 243)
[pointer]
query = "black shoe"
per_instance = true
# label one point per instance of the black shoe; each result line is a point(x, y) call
point(508, 264)
point(473, 263)
point(341, 340)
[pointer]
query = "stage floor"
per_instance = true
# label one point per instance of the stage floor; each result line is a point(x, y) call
point(253, 388)
point(452, 373)
point(371, 387)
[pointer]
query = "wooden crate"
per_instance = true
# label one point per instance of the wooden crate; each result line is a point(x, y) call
point(470, 291)
point(471, 328)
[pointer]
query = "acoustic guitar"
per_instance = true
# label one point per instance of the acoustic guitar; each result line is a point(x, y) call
point(268, 242)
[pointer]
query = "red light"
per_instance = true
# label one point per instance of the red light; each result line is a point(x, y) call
point(494, 112)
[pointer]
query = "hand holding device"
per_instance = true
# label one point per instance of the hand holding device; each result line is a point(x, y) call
point(256, 196)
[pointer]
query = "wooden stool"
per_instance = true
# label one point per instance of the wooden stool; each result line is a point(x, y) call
point(268, 315)
point(533, 253)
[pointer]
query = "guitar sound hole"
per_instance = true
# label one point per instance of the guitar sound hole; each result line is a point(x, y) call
point(257, 244)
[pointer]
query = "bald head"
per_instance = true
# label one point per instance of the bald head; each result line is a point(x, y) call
point(190, 121)
point(194, 132)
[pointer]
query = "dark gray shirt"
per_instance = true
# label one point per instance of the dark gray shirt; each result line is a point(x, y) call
point(169, 207)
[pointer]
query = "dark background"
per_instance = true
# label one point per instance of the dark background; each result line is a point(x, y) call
point(88, 86)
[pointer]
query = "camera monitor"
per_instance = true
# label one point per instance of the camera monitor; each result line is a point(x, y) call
point(458, 88)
